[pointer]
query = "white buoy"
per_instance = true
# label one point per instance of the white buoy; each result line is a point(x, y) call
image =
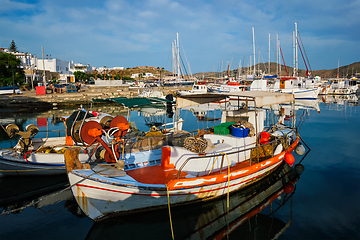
point(278, 149)
point(300, 149)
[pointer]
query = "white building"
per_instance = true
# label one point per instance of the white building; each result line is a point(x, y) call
point(145, 75)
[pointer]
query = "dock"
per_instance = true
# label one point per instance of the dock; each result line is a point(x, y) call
point(30, 100)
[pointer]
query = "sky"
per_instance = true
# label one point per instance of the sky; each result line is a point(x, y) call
point(212, 34)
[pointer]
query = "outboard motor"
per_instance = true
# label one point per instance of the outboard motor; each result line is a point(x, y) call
point(169, 110)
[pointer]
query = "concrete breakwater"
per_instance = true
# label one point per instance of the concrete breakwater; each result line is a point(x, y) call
point(29, 99)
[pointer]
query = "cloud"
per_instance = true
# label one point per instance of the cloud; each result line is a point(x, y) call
point(209, 30)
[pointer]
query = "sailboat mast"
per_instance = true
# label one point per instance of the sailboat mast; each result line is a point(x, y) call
point(294, 61)
point(44, 78)
point(173, 58)
point(269, 55)
point(277, 54)
point(254, 49)
point(178, 54)
point(296, 51)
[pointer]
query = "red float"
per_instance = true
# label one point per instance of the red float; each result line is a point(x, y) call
point(263, 141)
point(289, 159)
point(265, 135)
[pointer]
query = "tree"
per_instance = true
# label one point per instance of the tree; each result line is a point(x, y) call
point(12, 47)
point(81, 76)
point(10, 65)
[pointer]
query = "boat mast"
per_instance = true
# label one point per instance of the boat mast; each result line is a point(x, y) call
point(254, 49)
point(277, 54)
point(296, 49)
point(44, 79)
point(240, 69)
point(173, 58)
point(178, 54)
point(295, 52)
point(269, 55)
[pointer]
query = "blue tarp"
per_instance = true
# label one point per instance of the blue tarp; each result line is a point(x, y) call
point(271, 76)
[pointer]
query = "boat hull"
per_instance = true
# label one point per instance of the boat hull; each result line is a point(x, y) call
point(99, 199)
point(12, 164)
point(302, 93)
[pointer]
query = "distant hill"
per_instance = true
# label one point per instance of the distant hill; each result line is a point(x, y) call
point(344, 71)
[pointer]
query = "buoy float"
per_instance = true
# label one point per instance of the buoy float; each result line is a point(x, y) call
point(264, 138)
point(264, 141)
point(289, 159)
point(265, 135)
point(300, 149)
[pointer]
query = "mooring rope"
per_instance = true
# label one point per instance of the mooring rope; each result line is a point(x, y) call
point(171, 225)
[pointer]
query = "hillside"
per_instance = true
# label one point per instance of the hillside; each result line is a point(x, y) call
point(344, 71)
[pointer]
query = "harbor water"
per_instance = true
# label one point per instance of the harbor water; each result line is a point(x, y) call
point(322, 203)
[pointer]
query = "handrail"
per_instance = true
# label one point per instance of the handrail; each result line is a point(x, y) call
point(217, 155)
point(223, 154)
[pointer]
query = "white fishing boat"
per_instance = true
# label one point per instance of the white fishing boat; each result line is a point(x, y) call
point(45, 156)
point(9, 90)
point(196, 89)
point(223, 217)
point(285, 85)
point(230, 87)
point(342, 87)
point(181, 171)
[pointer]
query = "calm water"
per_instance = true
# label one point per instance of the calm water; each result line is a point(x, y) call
point(323, 205)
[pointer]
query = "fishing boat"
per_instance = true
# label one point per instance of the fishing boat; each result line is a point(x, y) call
point(45, 156)
point(342, 87)
point(196, 89)
point(10, 90)
point(230, 87)
point(257, 206)
point(285, 85)
point(199, 167)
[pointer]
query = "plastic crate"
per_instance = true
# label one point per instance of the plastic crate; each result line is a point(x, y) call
point(223, 128)
point(239, 132)
point(71, 89)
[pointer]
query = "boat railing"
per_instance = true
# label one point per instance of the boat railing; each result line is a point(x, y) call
point(222, 155)
point(155, 141)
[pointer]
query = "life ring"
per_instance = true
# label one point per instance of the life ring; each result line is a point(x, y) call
point(26, 154)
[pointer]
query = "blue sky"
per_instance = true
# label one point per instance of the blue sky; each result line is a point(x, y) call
point(129, 33)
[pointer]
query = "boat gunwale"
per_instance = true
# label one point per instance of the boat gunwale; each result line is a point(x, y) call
point(171, 184)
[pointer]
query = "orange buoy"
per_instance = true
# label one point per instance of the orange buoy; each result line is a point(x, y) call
point(263, 141)
point(289, 159)
point(265, 135)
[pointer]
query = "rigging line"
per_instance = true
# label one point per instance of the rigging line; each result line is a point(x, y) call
point(304, 51)
point(274, 51)
point(307, 70)
point(171, 225)
point(284, 61)
point(261, 56)
point(186, 73)
point(185, 58)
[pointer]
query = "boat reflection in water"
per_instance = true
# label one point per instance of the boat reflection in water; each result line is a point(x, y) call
point(250, 214)
point(20, 192)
